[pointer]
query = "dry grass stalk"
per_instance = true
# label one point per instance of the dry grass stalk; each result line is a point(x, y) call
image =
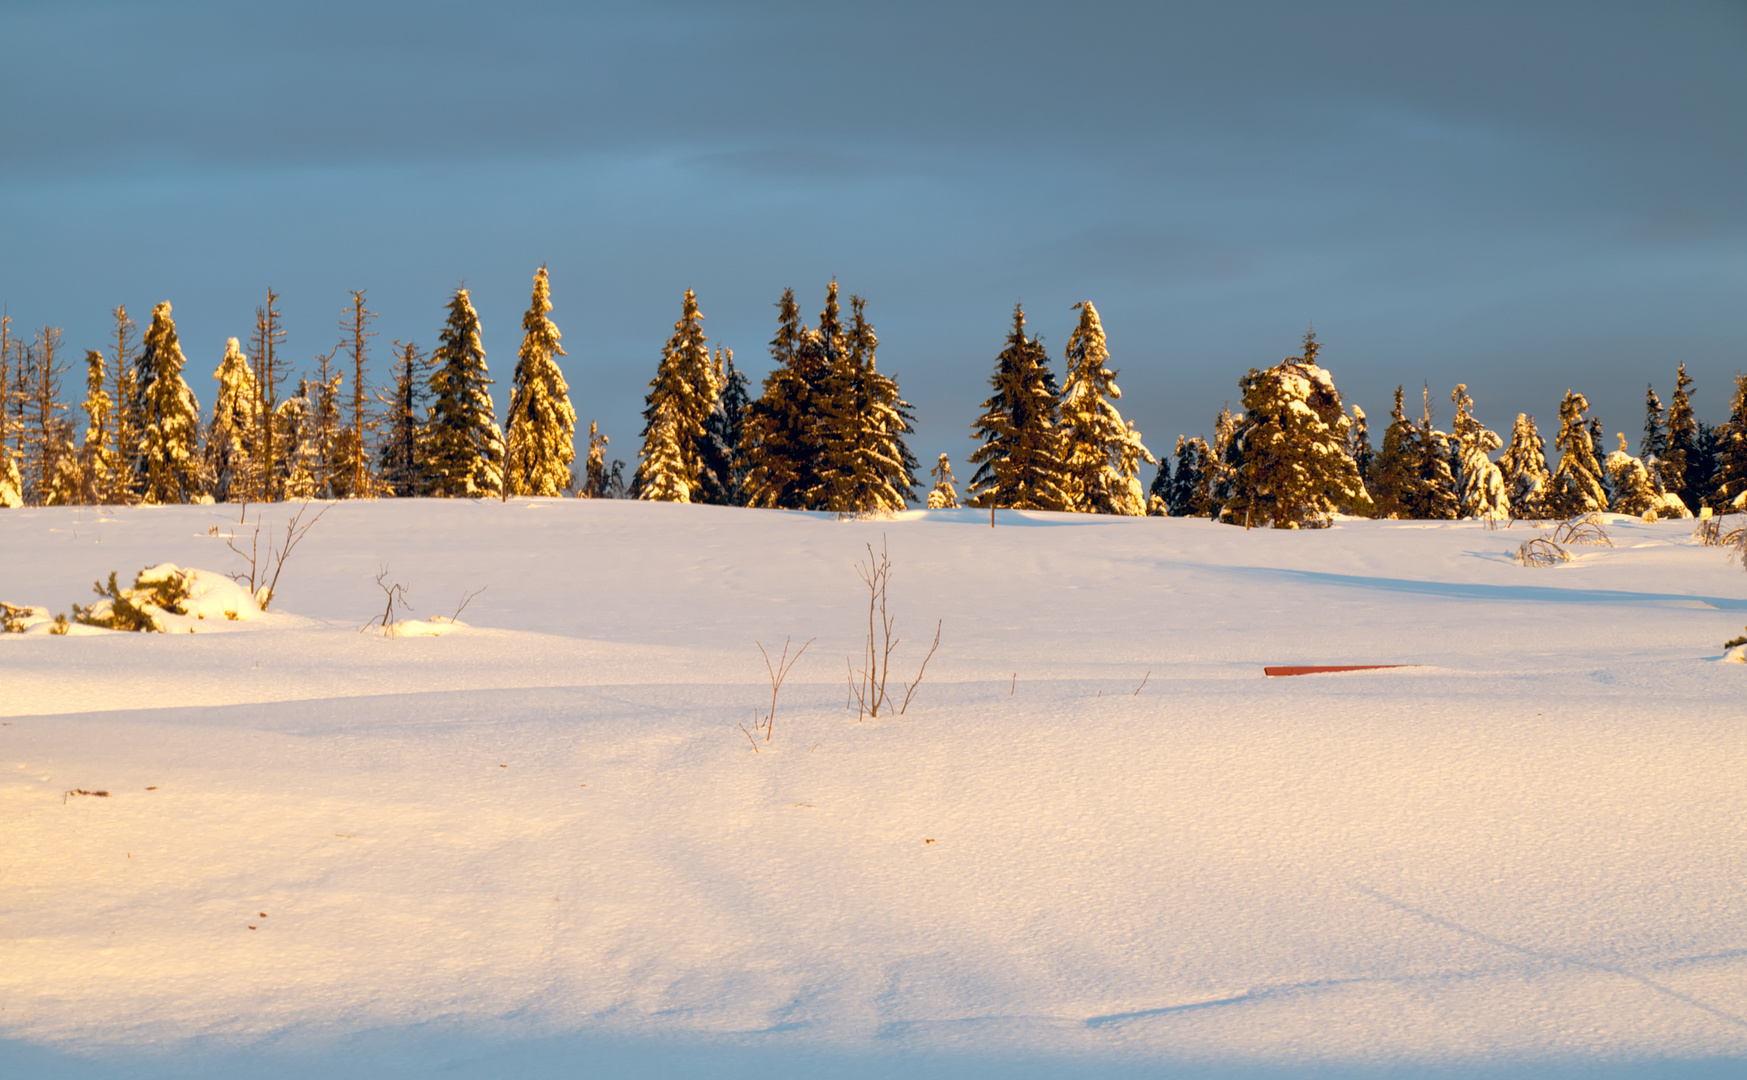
point(1540, 551)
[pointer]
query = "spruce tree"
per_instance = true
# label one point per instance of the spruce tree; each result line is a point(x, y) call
point(1481, 484)
point(663, 475)
point(1101, 452)
point(542, 424)
point(1731, 477)
point(1436, 497)
point(97, 453)
point(1682, 441)
point(1192, 484)
point(722, 480)
point(44, 393)
point(1359, 448)
point(463, 452)
point(868, 465)
point(1633, 492)
point(1701, 468)
point(169, 463)
point(1655, 441)
point(597, 481)
point(1576, 487)
point(1527, 482)
point(299, 460)
point(1394, 478)
point(400, 458)
point(233, 424)
point(326, 432)
point(1019, 465)
point(1158, 495)
point(1293, 470)
point(783, 441)
point(679, 403)
point(944, 494)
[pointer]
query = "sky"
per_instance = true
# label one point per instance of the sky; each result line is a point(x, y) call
point(1526, 197)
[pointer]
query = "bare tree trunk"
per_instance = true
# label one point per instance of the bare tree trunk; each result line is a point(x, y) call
point(362, 484)
point(268, 336)
point(124, 420)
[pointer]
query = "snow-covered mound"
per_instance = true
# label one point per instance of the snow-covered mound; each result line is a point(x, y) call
point(1099, 841)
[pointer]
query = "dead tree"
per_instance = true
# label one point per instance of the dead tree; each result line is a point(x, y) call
point(269, 335)
point(124, 401)
point(358, 480)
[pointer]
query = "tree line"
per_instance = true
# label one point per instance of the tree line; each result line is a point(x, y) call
point(827, 432)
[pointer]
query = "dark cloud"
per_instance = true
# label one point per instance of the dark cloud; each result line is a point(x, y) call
point(1522, 197)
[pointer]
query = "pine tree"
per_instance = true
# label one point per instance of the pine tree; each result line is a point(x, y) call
point(1527, 482)
point(169, 462)
point(1291, 464)
point(1731, 479)
point(944, 494)
point(1394, 476)
point(97, 458)
point(463, 450)
point(783, 441)
point(124, 440)
point(1192, 484)
point(1227, 465)
point(65, 477)
point(868, 466)
point(1633, 492)
point(1576, 487)
point(354, 477)
point(542, 424)
point(400, 457)
point(1101, 452)
point(678, 406)
point(1682, 441)
point(1435, 494)
point(1481, 484)
point(1019, 465)
point(722, 481)
point(233, 425)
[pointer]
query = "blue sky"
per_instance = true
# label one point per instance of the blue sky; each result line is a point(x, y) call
point(1526, 197)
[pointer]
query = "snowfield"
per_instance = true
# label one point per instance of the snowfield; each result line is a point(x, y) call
point(540, 844)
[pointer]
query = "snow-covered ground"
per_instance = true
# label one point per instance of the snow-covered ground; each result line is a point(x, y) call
point(541, 845)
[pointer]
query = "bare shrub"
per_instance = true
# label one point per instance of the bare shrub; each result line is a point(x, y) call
point(394, 594)
point(1540, 551)
point(1588, 529)
point(778, 672)
point(262, 576)
point(867, 687)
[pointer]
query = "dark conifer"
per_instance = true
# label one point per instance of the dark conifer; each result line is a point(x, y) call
point(1682, 441)
point(781, 435)
point(464, 449)
point(399, 459)
point(1731, 475)
point(1394, 476)
point(1019, 465)
point(722, 480)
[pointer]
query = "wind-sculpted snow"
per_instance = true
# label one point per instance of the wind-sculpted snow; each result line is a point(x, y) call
point(1099, 843)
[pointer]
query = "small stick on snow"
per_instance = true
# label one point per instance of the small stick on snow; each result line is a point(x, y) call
point(910, 688)
point(1137, 690)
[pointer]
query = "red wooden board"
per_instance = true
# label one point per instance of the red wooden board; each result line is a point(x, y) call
point(1319, 670)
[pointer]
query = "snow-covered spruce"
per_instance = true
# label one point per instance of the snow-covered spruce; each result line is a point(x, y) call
point(1102, 453)
point(169, 464)
point(681, 398)
point(542, 423)
point(944, 494)
point(1576, 487)
point(463, 446)
point(1288, 452)
point(166, 598)
point(1480, 483)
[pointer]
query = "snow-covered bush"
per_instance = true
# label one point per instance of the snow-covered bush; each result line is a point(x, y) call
point(161, 592)
point(15, 619)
